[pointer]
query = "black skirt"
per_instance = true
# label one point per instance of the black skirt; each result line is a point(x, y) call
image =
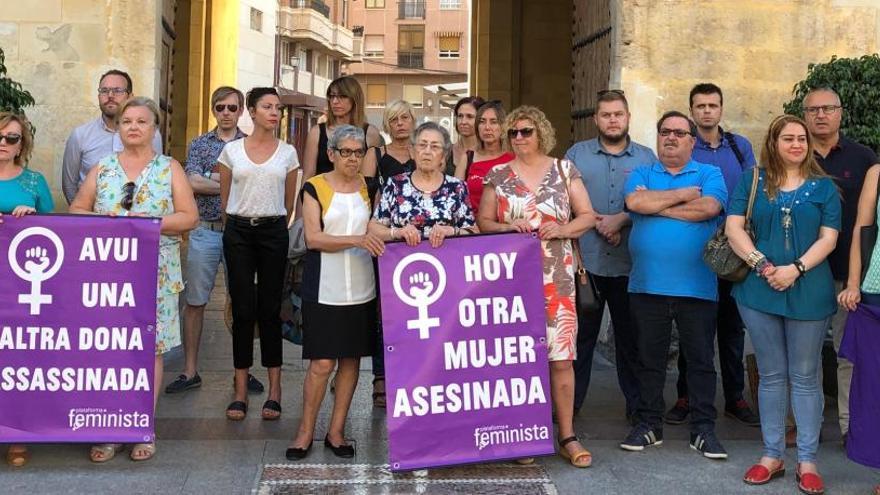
point(333, 332)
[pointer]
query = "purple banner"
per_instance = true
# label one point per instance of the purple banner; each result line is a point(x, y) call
point(77, 328)
point(465, 351)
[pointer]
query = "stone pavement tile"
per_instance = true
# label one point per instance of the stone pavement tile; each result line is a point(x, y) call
point(230, 480)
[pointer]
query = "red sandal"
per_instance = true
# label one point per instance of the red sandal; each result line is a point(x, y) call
point(810, 483)
point(761, 475)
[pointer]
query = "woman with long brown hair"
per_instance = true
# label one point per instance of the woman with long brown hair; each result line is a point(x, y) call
point(788, 299)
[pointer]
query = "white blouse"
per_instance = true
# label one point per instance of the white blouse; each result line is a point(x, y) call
point(257, 189)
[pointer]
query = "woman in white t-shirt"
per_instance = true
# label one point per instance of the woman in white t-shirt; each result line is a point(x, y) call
point(257, 190)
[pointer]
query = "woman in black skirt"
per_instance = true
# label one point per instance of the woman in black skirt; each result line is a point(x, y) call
point(338, 288)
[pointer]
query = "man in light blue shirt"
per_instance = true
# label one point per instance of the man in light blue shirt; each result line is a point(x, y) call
point(674, 205)
point(605, 163)
point(94, 140)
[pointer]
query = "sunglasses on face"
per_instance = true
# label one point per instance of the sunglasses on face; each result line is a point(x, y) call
point(346, 152)
point(525, 132)
point(679, 133)
point(10, 138)
point(219, 108)
point(127, 196)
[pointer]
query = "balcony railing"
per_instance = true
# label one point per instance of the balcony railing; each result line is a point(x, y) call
point(411, 9)
point(411, 60)
point(316, 5)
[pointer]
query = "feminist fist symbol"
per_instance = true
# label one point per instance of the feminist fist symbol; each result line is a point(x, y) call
point(36, 253)
point(426, 285)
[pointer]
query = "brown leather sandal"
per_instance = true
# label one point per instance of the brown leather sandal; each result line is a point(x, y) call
point(379, 399)
point(581, 459)
point(18, 457)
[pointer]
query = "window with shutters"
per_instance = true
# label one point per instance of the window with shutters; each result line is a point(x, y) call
point(376, 95)
point(412, 94)
point(411, 46)
point(256, 19)
point(374, 46)
point(375, 4)
point(450, 46)
point(450, 4)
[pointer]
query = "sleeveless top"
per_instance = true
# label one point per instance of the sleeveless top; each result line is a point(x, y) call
point(344, 277)
point(871, 284)
point(476, 172)
point(387, 166)
point(323, 163)
point(152, 196)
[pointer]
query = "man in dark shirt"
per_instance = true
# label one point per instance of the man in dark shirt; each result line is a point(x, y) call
point(848, 162)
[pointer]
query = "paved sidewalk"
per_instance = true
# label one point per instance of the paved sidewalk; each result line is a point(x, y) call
point(199, 451)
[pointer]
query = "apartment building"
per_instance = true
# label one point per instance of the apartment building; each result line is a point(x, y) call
point(414, 50)
point(313, 44)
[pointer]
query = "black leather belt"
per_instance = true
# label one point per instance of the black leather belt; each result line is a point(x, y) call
point(254, 221)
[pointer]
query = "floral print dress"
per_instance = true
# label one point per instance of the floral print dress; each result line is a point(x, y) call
point(549, 203)
point(402, 203)
point(152, 197)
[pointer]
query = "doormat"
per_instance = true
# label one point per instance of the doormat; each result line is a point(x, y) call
point(368, 479)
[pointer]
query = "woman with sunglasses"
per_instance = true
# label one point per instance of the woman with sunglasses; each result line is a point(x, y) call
point(464, 116)
point(787, 301)
point(22, 192)
point(137, 181)
point(338, 289)
point(257, 190)
point(490, 152)
point(345, 106)
point(425, 203)
point(535, 192)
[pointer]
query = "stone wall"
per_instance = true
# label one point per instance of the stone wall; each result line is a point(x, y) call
point(58, 49)
point(755, 50)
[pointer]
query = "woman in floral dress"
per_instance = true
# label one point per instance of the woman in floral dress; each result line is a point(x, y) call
point(535, 192)
point(140, 182)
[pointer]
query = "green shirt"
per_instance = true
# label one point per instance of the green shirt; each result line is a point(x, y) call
point(814, 205)
point(29, 188)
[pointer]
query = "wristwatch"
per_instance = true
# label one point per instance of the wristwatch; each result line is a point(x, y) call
point(207, 174)
point(800, 266)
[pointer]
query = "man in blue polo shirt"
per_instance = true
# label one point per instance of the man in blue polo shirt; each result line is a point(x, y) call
point(732, 154)
point(674, 205)
point(605, 162)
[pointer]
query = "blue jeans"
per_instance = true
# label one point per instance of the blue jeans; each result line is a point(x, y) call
point(788, 351)
point(203, 258)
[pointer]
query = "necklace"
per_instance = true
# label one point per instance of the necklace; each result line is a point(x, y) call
point(786, 217)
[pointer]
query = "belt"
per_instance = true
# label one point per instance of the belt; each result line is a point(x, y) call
point(216, 225)
point(254, 221)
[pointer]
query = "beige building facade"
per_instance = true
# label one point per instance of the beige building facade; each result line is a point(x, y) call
point(407, 45)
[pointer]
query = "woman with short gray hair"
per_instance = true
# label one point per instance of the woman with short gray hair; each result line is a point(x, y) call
point(338, 288)
point(425, 203)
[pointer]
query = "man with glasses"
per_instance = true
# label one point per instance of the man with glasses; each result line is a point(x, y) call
point(604, 163)
point(205, 250)
point(732, 154)
point(848, 162)
point(674, 206)
point(94, 140)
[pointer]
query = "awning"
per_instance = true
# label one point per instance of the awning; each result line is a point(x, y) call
point(301, 100)
point(447, 34)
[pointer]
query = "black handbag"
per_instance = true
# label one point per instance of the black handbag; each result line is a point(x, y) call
point(586, 293)
point(719, 255)
point(867, 240)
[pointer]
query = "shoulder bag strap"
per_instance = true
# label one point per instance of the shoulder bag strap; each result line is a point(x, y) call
point(752, 194)
point(575, 243)
point(470, 161)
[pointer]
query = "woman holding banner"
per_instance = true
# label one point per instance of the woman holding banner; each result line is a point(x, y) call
point(137, 181)
point(22, 192)
point(425, 203)
point(535, 192)
point(338, 288)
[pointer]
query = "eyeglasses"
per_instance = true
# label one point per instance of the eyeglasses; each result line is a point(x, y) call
point(10, 138)
point(219, 108)
point(606, 91)
point(525, 132)
point(347, 152)
point(679, 133)
point(336, 96)
point(827, 109)
point(433, 148)
point(127, 195)
point(114, 91)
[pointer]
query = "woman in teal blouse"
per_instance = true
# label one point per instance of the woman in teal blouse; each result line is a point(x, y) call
point(788, 298)
point(22, 192)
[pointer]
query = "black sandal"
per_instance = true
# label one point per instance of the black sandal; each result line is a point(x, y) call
point(236, 407)
point(378, 397)
point(271, 405)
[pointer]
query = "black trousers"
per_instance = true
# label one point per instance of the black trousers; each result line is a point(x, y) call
point(695, 320)
point(259, 250)
point(612, 291)
point(731, 339)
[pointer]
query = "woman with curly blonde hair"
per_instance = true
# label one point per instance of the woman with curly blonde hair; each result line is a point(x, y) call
point(535, 192)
